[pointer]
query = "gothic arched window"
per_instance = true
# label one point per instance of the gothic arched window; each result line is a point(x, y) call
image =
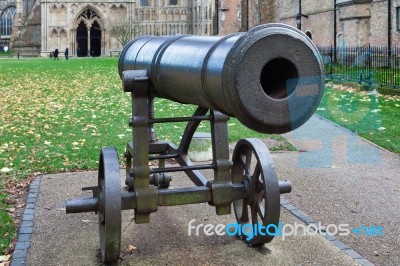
point(6, 21)
point(89, 14)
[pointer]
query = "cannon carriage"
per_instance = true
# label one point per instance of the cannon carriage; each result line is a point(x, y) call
point(270, 78)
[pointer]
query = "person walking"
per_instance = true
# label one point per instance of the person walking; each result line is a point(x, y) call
point(66, 53)
point(56, 54)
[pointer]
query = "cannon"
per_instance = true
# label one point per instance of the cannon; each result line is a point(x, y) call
point(270, 78)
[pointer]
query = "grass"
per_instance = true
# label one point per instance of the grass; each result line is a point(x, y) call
point(378, 76)
point(6, 53)
point(388, 91)
point(56, 115)
point(372, 116)
point(6, 225)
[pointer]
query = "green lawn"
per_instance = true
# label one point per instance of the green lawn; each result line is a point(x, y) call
point(374, 76)
point(372, 116)
point(56, 115)
point(6, 225)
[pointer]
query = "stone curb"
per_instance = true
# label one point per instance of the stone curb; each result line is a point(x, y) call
point(332, 239)
point(26, 226)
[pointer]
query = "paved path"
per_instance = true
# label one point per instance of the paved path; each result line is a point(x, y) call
point(343, 179)
point(61, 239)
point(337, 179)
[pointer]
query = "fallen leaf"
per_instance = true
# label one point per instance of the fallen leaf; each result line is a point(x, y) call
point(11, 210)
point(4, 258)
point(131, 248)
point(5, 170)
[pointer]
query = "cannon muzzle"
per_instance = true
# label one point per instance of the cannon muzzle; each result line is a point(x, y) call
point(270, 78)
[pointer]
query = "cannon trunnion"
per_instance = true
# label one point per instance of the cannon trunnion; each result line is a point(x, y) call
point(270, 78)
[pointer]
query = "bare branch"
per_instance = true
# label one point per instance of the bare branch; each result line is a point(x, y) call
point(125, 29)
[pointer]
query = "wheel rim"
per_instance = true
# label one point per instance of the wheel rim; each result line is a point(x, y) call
point(253, 165)
point(109, 205)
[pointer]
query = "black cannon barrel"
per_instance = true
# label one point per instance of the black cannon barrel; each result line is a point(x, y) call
point(270, 78)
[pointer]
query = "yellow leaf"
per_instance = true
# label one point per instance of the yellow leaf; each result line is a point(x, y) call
point(5, 170)
point(4, 258)
point(131, 248)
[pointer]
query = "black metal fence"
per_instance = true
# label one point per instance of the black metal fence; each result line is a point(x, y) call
point(370, 65)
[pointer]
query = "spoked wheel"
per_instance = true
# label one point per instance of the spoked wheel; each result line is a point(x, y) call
point(109, 194)
point(253, 165)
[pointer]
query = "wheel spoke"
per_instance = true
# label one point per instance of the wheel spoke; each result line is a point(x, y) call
point(248, 161)
point(256, 173)
point(241, 163)
point(260, 211)
point(254, 218)
point(259, 197)
point(260, 188)
point(245, 214)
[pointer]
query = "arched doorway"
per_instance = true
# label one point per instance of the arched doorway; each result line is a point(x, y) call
point(95, 39)
point(88, 34)
point(82, 40)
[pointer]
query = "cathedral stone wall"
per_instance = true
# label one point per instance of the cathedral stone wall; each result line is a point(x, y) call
point(358, 23)
point(87, 28)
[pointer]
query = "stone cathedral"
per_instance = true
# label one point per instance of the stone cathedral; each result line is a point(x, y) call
point(37, 27)
point(41, 26)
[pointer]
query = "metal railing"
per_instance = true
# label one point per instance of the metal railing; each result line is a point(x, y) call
point(368, 65)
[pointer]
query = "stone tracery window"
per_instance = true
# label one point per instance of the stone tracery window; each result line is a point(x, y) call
point(89, 14)
point(6, 21)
